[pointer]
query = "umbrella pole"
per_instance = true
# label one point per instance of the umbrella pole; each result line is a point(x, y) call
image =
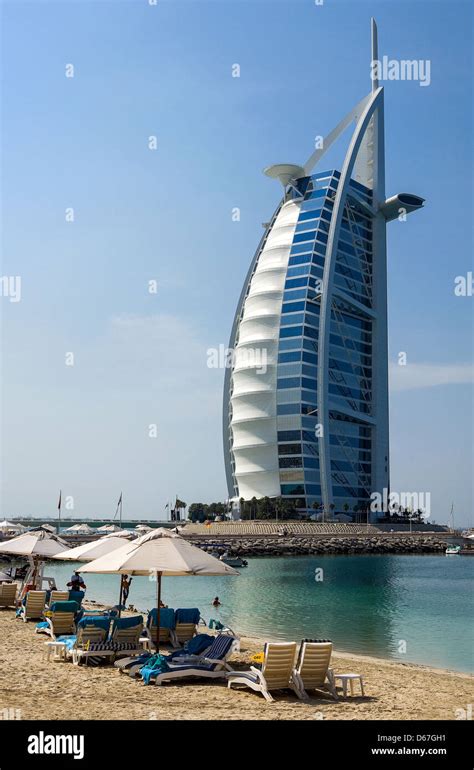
point(158, 603)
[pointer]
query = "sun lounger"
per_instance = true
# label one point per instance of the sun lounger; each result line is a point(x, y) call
point(167, 626)
point(212, 665)
point(76, 596)
point(312, 671)
point(33, 606)
point(58, 596)
point(186, 622)
point(8, 593)
point(59, 619)
point(124, 640)
point(90, 631)
point(276, 671)
point(197, 646)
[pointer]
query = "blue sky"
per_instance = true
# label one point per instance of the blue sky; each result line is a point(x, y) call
point(165, 215)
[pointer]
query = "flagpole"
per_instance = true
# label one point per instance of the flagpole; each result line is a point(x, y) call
point(59, 513)
point(121, 504)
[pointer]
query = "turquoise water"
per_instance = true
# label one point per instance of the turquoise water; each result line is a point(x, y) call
point(372, 605)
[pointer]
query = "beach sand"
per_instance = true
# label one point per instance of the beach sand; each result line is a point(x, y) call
point(60, 690)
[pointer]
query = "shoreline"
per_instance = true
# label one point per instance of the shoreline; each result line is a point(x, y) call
point(379, 660)
point(37, 689)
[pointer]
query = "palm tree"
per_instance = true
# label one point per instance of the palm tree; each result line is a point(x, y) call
point(253, 507)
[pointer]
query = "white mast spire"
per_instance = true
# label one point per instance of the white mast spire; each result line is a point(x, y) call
point(375, 52)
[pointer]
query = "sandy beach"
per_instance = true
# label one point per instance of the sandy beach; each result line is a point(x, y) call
point(32, 688)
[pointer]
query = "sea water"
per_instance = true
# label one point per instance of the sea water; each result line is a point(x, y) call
point(411, 608)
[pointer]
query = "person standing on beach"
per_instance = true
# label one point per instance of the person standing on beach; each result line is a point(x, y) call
point(126, 581)
point(76, 583)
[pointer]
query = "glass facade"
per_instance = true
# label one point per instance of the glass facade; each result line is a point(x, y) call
point(350, 363)
point(350, 348)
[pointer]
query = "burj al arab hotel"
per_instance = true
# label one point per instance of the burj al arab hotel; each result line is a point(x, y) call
point(306, 395)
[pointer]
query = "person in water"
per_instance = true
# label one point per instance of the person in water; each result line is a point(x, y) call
point(216, 603)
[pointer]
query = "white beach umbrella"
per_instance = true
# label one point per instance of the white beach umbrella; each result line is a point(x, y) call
point(143, 528)
point(11, 526)
point(37, 543)
point(159, 553)
point(48, 527)
point(109, 528)
point(97, 548)
point(78, 528)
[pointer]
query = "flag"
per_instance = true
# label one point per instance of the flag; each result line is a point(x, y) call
point(167, 506)
point(120, 499)
point(59, 501)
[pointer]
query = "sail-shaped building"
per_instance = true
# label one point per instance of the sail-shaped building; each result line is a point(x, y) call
point(306, 395)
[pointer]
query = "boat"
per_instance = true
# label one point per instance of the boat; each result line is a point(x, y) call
point(233, 561)
point(453, 550)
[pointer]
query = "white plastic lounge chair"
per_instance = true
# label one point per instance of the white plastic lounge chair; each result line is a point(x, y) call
point(8, 594)
point(33, 607)
point(59, 619)
point(211, 666)
point(312, 671)
point(276, 672)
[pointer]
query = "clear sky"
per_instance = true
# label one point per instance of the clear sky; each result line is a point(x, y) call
point(140, 359)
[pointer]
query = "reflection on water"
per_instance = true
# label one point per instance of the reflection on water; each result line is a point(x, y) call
point(365, 604)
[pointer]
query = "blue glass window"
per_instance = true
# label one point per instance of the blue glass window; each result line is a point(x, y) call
point(286, 358)
point(291, 307)
point(308, 236)
point(309, 215)
point(292, 489)
point(291, 295)
point(318, 194)
point(289, 449)
point(288, 409)
point(309, 383)
point(288, 382)
point(291, 331)
point(293, 318)
point(301, 248)
point(293, 272)
point(311, 358)
point(289, 435)
point(295, 283)
point(292, 344)
point(313, 489)
point(320, 248)
point(300, 259)
point(290, 462)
